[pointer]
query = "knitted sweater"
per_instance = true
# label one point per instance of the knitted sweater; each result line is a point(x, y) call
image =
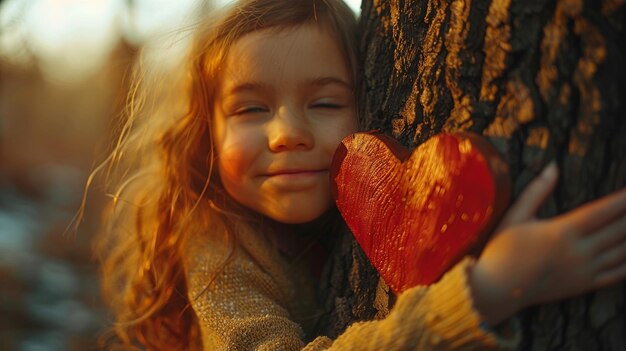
point(260, 302)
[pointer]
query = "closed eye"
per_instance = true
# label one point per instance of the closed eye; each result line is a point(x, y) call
point(327, 105)
point(250, 110)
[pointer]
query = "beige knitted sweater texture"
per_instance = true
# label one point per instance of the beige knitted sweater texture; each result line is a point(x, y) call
point(260, 301)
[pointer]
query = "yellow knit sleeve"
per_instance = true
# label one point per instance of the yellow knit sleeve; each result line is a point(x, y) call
point(438, 317)
point(244, 309)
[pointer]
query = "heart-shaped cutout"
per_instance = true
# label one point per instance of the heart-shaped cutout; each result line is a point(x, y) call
point(416, 214)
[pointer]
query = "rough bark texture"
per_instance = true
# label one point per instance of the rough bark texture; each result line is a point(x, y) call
point(541, 80)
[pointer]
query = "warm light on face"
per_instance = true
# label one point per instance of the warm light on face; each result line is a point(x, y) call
point(284, 104)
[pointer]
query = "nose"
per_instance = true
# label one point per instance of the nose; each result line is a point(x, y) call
point(289, 130)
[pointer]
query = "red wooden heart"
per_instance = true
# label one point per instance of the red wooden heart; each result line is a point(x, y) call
point(416, 214)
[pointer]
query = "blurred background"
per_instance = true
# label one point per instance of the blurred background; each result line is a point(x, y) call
point(64, 76)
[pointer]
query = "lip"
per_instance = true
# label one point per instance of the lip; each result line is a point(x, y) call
point(294, 172)
point(295, 180)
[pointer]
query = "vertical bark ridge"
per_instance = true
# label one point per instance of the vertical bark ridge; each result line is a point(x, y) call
point(458, 30)
point(405, 61)
point(497, 46)
point(594, 53)
point(377, 65)
point(420, 102)
point(509, 95)
point(430, 69)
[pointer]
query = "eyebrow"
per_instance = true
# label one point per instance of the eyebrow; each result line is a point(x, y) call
point(316, 81)
point(321, 81)
point(248, 86)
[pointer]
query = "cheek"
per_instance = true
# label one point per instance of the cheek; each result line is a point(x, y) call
point(239, 152)
point(232, 167)
point(341, 130)
point(230, 164)
point(233, 154)
point(236, 160)
point(349, 125)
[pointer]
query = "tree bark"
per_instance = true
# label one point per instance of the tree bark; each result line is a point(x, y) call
point(541, 80)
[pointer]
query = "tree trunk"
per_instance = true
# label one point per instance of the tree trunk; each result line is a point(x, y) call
point(542, 80)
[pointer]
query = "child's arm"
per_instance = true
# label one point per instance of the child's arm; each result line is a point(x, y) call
point(438, 317)
point(531, 261)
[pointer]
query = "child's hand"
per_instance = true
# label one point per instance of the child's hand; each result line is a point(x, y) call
point(531, 261)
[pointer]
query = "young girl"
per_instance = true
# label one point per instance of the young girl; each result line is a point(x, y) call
point(210, 226)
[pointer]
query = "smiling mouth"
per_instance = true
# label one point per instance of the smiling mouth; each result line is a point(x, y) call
point(295, 173)
point(294, 178)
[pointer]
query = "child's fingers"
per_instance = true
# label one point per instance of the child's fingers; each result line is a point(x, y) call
point(595, 214)
point(611, 276)
point(616, 256)
point(526, 206)
point(610, 235)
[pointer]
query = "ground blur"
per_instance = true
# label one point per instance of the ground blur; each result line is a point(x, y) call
point(63, 82)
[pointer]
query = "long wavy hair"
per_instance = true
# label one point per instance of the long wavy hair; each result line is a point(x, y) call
point(164, 183)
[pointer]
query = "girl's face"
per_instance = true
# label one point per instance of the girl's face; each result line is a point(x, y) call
point(284, 103)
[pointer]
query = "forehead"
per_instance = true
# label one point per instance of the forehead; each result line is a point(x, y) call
point(285, 56)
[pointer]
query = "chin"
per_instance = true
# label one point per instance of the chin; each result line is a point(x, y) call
point(298, 215)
